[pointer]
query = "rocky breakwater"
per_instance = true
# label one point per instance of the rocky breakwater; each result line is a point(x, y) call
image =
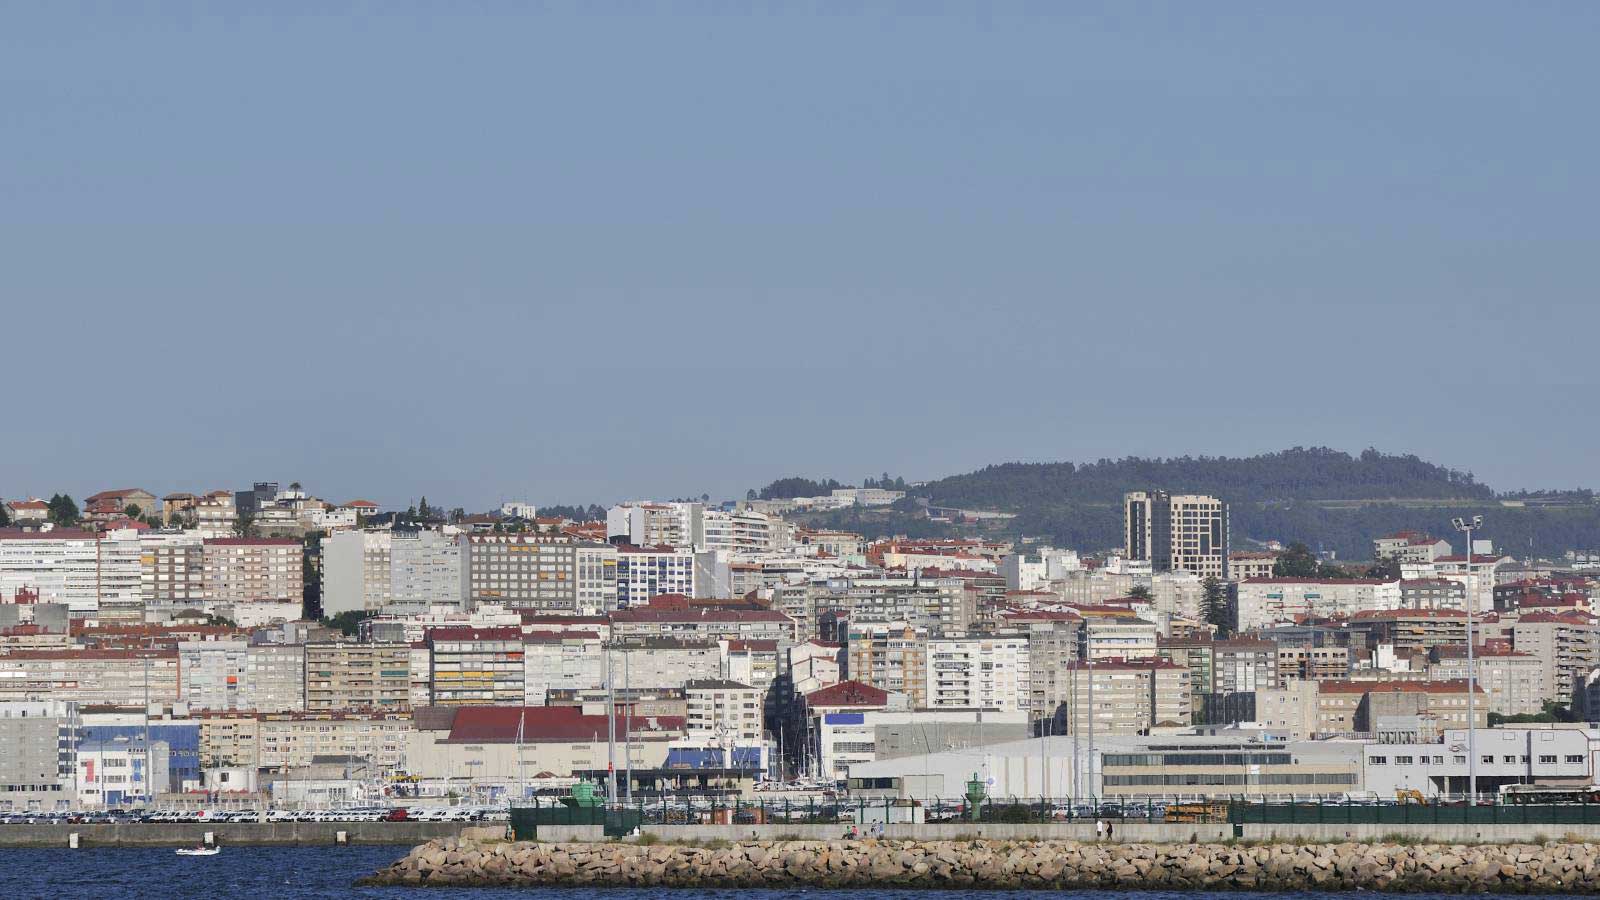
point(1500, 868)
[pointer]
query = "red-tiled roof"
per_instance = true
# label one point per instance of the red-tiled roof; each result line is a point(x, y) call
point(556, 637)
point(361, 504)
point(848, 693)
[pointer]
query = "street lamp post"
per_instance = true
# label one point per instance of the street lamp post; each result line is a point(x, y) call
point(1467, 526)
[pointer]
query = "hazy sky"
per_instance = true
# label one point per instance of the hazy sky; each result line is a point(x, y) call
point(581, 252)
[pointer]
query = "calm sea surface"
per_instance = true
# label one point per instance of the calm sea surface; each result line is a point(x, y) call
point(268, 873)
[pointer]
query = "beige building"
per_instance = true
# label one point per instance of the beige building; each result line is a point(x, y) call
point(890, 656)
point(481, 743)
point(1126, 696)
point(1289, 711)
point(1177, 532)
point(242, 570)
point(92, 677)
point(344, 675)
point(294, 739)
point(1244, 565)
point(230, 740)
point(1566, 642)
point(1514, 683)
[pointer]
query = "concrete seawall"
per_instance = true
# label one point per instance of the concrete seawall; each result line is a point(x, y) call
point(170, 834)
point(1008, 864)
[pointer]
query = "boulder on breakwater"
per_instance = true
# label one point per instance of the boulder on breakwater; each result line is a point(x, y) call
point(1003, 864)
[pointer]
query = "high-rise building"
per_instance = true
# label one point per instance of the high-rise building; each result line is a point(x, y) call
point(1177, 532)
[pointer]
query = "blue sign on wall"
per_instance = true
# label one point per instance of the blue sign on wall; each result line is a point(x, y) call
point(845, 719)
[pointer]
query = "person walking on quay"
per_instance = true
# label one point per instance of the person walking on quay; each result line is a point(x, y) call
point(1099, 829)
point(1110, 831)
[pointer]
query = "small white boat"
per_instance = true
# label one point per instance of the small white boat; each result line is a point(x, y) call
point(199, 851)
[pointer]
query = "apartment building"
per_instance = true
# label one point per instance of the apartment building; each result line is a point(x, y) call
point(1244, 565)
point(722, 711)
point(172, 569)
point(1513, 682)
point(356, 572)
point(120, 576)
point(246, 570)
point(890, 656)
point(477, 666)
point(551, 574)
point(1307, 662)
point(230, 739)
point(274, 678)
point(647, 661)
point(645, 572)
point(987, 672)
point(92, 677)
point(425, 571)
point(1410, 547)
point(293, 740)
point(942, 605)
point(1411, 632)
point(1566, 643)
point(746, 531)
point(657, 524)
point(38, 739)
point(214, 674)
point(1362, 707)
point(1125, 696)
point(561, 660)
point(677, 617)
point(62, 566)
point(344, 675)
point(1264, 602)
point(1432, 593)
point(1177, 532)
point(1116, 634)
point(755, 663)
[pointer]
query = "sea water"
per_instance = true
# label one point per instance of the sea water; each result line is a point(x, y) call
point(285, 873)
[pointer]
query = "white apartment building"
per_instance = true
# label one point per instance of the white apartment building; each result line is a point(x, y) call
point(356, 572)
point(745, 532)
point(722, 712)
point(644, 572)
point(121, 590)
point(657, 524)
point(62, 565)
point(274, 678)
point(978, 673)
point(1270, 601)
point(1118, 637)
point(425, 570)
point(213, 673)
point(561, 660)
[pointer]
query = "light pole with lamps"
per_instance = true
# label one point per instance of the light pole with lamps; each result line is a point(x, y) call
point(1468, 525)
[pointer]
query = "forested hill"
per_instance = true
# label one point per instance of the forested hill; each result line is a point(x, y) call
point(1315, 473)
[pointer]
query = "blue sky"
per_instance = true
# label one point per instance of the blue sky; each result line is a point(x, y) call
point(581, 252)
